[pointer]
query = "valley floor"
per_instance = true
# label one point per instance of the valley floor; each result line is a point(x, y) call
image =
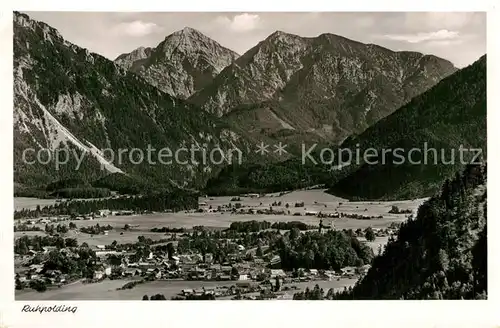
point(314, 201)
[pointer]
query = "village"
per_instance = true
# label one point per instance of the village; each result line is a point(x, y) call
point(240, 262)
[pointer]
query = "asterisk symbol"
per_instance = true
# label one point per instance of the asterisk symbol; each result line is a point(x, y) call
point(280, 149)
point(262, 148)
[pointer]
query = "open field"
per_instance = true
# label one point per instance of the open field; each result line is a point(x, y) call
point(379, 241)
point(314, 200)
point(106, 290)
point(31, 203)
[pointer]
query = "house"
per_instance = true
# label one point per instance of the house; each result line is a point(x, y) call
point(246, 284)
point(107, 270)
point(98, 275)
point(106, 232)
point(32, 252)
point(52, 273)
point(144, 265)
point(241, 248)
point(224, 277)
point(132, 272)
point(47, 249)
point(103, 253)
point(209, 258)
point(275, 262)
point(36, 268)
point(364, 269)
point(198, 292)
point(196, 258)
point(277, 273)
point(258, 261)
point(327, 275)
point(174, 260)
point(243, 277)
point(226, 269)
point(313, 272)
point(197, 273)
point(104, 213)
point(187, 292)
point(215, 267)
point(348, 271)
point(102, 247)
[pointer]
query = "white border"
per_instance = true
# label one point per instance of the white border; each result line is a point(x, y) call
point(243, 313)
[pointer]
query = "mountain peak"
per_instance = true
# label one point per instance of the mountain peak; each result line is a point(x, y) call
point(188, 31)
point(281, 34)
point(184, 62)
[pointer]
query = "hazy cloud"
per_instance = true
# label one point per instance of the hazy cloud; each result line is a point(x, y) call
point(438, 20)
point(240, 23)
point(136, 28)
point(440, 35)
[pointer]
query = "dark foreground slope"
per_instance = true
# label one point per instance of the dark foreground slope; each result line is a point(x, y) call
point(449, 116)
point(441, 254)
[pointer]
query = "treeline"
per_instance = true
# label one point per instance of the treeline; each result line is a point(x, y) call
point(96, 229)
point(88, 192)
point(23, 245)
point(166, 229)
point(158, 201)
point(314, 250)
point(52, 229)
point(441, 254)
point(26, 227)
point(265, 178)
point(293, 225)
point(192, 297)
point(83, 264)
point(250, 226)
point(256, 226)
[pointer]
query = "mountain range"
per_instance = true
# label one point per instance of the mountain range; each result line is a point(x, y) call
point(289, 88)
point(66, 96)
point(449, 116)
point(430, 131)
point(189, 89)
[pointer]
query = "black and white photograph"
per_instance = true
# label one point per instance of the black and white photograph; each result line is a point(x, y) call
point(227, 156)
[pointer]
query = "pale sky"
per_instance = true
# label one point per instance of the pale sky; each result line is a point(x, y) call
point(459, 36)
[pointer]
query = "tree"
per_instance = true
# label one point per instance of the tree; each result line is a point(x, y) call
point(258, 252)
point(369, 234)
point(19, 284)
point(170, 250)
point(145, 298)
point(278, 285)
